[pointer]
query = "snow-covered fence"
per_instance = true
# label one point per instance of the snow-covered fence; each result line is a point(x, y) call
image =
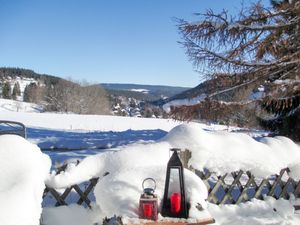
point(77, 193)
point(82, 193)
point(241, 186)
point(231, 188)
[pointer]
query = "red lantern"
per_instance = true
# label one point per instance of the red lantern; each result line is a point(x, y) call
point(148, 201)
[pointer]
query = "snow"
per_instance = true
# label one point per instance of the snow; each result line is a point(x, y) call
point(187, 102)
point(7, 105)
point(23, 169)
point(287, 81)
point(145, 91)
point(129, 166)
point(125, 179)
point(87, 122)
point(259, 93)
point(207, 148)
point(223, 152)
point(138, 148)
point(256, 212)
point(67, 215)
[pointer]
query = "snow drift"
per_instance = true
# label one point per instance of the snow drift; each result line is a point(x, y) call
point(23, 171)
point(127, 169)
point(221, 152)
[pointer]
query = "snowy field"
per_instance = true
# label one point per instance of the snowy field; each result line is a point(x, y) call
point(131, 149)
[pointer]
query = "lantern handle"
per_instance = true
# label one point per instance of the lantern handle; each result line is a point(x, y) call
point(149, 178)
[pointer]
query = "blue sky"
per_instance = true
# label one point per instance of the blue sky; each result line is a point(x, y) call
point(101, 41)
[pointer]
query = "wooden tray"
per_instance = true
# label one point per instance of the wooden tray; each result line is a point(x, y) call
point(198, 222)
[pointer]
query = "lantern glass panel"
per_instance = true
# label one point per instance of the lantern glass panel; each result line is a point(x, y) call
point(174, 184)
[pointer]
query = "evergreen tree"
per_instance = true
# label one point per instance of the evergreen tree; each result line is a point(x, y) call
point(261, 42)
point(16, 91)
point(30, 93)
point(6, 90)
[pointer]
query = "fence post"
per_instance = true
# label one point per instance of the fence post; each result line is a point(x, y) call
point(185, 156)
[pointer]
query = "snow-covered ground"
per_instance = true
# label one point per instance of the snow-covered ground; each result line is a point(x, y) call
point(8, 106)
point(131, 149)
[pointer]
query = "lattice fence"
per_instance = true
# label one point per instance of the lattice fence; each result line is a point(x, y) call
point(241, 186)
point(82, 194)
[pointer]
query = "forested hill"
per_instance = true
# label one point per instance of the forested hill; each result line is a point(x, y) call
point(26, 73)
point(150, 92)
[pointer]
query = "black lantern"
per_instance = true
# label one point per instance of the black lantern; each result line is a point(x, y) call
point(174, 201)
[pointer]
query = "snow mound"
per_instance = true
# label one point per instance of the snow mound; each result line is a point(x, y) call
point(256, 212)
point(127, 169)
point(23, 171)
point(67, 215)
point(223, 152)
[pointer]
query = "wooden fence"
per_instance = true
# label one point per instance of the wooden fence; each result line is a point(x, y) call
point(241, 186)
point(82, 192)
point(232, 188)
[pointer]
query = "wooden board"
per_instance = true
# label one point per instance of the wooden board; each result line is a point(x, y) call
point(198, 222)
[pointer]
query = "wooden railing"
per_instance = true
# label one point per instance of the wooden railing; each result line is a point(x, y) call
point(242, 186)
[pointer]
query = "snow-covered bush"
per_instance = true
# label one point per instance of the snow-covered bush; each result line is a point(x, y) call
point(23, 169)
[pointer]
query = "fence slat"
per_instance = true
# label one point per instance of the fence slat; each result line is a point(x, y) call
point(92, 184)
point(258, 193)
point(297, 190)
point(211, 195)
point(244, 195)
point(228, 195)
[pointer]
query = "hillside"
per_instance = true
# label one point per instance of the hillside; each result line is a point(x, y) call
point(145, 92)
point(60, 95)
point(13, 73)
point(52, 94)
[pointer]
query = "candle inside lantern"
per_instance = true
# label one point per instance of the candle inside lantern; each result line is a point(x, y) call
point(175, 200)
point(147, 208)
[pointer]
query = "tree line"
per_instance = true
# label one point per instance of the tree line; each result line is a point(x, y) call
point(10, 93)
point(61, 95)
